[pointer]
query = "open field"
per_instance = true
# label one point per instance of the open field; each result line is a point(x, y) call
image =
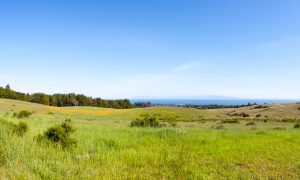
point(109, 149)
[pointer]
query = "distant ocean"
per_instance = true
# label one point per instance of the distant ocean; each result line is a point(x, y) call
point(212, 102)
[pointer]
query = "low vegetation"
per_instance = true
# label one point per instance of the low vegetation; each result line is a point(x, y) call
point(60, 134)
point(22, 114)
point(230, 121)
point(19, 128)
point(105, 147)
point(241, 114)
point(250, 124)
point(152, 120)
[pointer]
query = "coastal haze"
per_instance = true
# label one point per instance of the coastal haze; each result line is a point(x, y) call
point(227, 102)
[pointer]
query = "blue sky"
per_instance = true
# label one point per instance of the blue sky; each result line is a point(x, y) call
point(155, 48)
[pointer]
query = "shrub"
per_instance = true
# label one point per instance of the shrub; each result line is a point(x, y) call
point(258, 116)
point(68, 120)
point(250, 124)
point(230, 121)
point(219, 126)
point(21, 128)
point(60, 134)
point(279, 128)
point(146, 121)
point(242, 114)
point(150, 120)
point(260, 107)
point(2, 158)
point(297, 126)
point(24, 114)
point(15, 115)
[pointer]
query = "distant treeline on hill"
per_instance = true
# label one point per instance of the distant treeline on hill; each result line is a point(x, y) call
point(64, 100)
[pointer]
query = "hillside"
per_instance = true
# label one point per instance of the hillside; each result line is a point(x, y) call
point(272, 112)
point(203, 145)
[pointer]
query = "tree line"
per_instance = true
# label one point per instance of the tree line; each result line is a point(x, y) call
point(64, 100)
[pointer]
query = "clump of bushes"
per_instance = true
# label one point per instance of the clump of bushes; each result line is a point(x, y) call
point(279, 128)
point(242, 114)
point(297, 126)
point(22, 114)
point(290, 120)
point(150, 120)
point(60, 134)
point(229, 121)
point(250, 124)
point(21, 128)
point(258, 116)
point(218, 126)
point(260, 107)
point(2, 158)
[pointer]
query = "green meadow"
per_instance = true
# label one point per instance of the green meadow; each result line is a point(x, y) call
point(204, 144)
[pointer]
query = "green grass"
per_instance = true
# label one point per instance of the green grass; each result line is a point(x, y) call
point(109, 149)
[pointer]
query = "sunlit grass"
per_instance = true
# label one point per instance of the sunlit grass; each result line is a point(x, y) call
point(109, 149)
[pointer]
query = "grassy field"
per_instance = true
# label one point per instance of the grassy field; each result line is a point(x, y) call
point(109, 149)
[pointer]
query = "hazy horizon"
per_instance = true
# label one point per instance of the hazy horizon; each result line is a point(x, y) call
point(126, 49)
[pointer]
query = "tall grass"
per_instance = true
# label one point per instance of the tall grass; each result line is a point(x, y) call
point(172, 153)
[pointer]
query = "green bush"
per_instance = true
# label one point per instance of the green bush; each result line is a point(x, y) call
point(297, 126)
point(218, 126)
point(2, 158)
point(21, 128)
point(229, 121)
point(279, 128)
point(60, 134)
point(146, 121)
point(260, 107)
point(242, 114)
point(22, 114)
point(250, 124)
point(152, 120)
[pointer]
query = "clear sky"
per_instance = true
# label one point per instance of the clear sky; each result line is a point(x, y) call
point(153, 48)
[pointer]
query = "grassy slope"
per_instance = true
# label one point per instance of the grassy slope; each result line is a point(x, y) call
point(108, 148)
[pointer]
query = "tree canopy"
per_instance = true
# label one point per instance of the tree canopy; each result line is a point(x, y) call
point(63, 100)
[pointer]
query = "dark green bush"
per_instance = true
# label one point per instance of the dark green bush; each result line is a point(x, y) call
point(15, 115)
point(60, 134)
point(151, 120)
point(250, 124)
point(279, 128)
point(242, 114)
point(146, 121)
point(21, 128)
point(2, 158)
point(297, 126)
point(23, 114)
point(260, 107)
point(218, 126)
point(229, 121)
